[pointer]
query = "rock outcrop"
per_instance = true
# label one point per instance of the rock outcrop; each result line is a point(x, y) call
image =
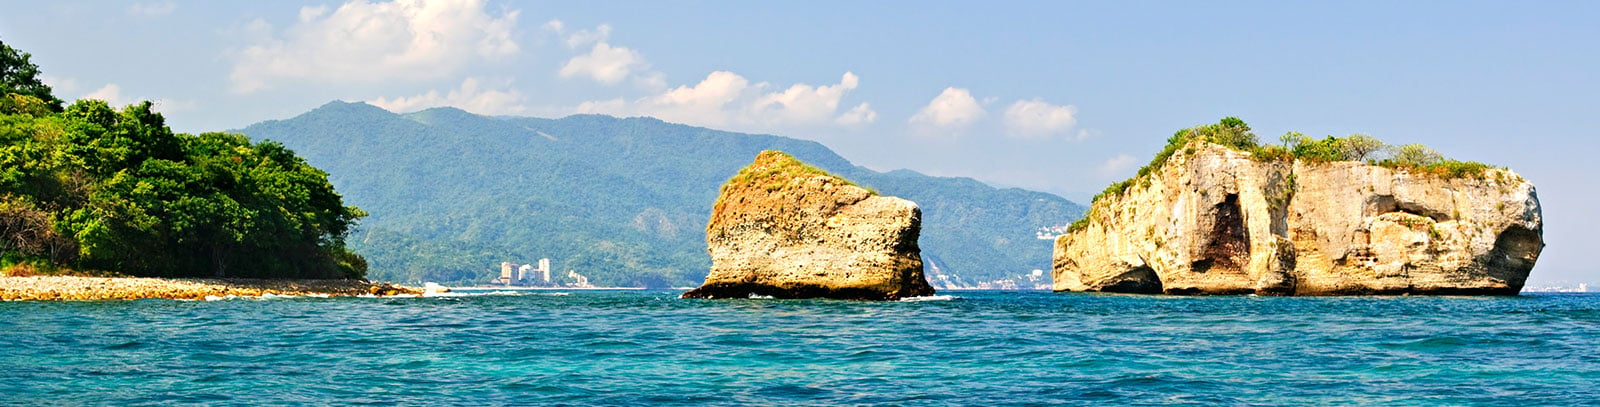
point(1216, 221)
point(787, 230)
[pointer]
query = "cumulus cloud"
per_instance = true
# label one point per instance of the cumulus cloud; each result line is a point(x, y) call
point(953, 110)
point(473, 96)
point(602, 62)
point(1039, 119)
point(727, 100)
point(374, 42)
point(111, 94)
point(861, 114)
point(1116, 166)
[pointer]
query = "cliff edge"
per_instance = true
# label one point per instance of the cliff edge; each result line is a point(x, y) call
point(788, 230)
point(1216, 220)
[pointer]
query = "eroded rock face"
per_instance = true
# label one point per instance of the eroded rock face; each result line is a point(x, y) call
point(1215, 221)
point(786, 230)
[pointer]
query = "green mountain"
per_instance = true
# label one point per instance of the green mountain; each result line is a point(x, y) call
point(623, 202)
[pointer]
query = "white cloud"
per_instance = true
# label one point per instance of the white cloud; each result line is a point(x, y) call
point(370, 42)
point(727, 100)
point(111, 93)
point(581, 38)
point(1085, 134)
point(802, 104)
point(1039, 119)
point(1115, 167)
point(861, 114)
point(59, 84)
point(953, 110)
point(472, 96)
point(605, 64)
point(152, 9)
point(555, 25)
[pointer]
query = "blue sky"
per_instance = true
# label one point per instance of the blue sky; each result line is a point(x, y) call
point(1062, 97)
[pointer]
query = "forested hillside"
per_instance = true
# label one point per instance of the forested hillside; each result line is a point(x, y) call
point(622, 201)
point(87, 187)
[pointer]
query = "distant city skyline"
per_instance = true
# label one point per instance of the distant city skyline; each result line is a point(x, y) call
point(1062, 97)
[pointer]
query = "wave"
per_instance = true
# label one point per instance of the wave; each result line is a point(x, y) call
point(929, 298)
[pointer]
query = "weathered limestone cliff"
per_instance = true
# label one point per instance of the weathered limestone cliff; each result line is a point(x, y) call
point(787, 230)
point(1213, 220)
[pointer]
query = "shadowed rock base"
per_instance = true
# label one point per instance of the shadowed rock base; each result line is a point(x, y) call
point(744, 290)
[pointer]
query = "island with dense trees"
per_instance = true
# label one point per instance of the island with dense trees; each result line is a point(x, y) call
point(90, 189)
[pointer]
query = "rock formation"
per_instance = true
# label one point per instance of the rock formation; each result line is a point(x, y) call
point(1213, 220)
point(787, 230)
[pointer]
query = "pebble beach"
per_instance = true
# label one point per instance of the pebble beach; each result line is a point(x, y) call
point(130, 288)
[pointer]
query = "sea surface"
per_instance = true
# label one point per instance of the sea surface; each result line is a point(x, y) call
point(651, 348)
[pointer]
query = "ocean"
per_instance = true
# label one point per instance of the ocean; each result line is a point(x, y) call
point(651, 348)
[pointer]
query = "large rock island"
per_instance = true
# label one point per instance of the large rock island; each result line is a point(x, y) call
point(784, 229)
point(1308, 218)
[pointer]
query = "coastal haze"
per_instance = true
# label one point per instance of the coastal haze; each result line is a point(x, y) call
point(1059, 98)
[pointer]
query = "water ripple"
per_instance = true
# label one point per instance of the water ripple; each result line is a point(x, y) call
point(977, 348)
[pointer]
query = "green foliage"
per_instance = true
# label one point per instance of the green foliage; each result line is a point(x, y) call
point(20, 76)
point(1233, 133)
point(1418, 158)
point(1324, 150)
point(1415, 155)
point(624, 202)
point(103, 189)
point(779, 170)
point(1292, 139)
point(1358, 147)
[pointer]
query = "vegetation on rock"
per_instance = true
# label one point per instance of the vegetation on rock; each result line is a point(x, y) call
point(1233, 133)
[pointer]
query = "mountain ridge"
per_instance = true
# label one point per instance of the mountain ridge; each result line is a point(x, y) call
point(623, 201)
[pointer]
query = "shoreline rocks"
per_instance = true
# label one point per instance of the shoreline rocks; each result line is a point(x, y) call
point(132, 288)
point(783, 229)
point(1214, 220)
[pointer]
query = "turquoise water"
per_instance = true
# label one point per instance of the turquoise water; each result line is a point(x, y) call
point(634, 348)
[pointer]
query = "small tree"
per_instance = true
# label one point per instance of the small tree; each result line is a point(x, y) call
point(1415, 155)
point(1292, 139)
point(1231, 132)
point(1359, 147)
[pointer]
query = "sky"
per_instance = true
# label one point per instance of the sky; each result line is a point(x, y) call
point(1055, 96)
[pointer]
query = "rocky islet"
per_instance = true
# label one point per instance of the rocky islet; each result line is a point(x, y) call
point(1215, 220)
point(783, 229)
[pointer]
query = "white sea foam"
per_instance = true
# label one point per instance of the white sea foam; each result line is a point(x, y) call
point(432, 294)
point(930, 298)
point(755, 296)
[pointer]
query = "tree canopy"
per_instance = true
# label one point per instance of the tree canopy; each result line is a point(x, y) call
point(20, 76)
point(91, 187)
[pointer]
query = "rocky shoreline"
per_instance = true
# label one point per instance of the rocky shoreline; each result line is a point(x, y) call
point(132, 288)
